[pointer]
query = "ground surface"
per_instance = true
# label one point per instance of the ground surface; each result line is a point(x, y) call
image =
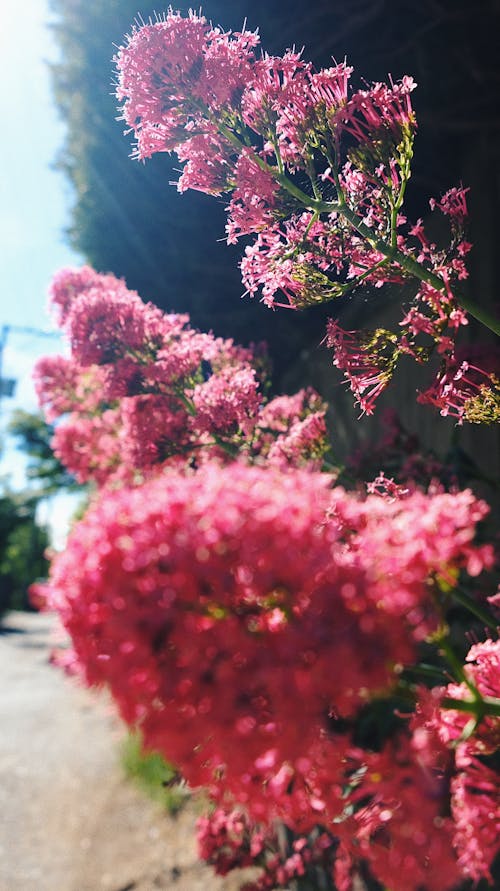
point(69, 821)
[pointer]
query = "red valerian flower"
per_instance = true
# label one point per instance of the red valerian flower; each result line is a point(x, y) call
point(211, 602)
point(474, 783)
point(246, 126)
point(143, 389)
point(229, 840)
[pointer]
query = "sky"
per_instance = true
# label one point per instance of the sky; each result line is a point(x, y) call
point(34, 211)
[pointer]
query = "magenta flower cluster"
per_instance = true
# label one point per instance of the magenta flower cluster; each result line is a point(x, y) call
point(211, 602)
point(142, 389)
point(396, 828)
point(317, 172)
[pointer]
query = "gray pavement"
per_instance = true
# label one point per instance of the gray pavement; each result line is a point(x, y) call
point(68, 819)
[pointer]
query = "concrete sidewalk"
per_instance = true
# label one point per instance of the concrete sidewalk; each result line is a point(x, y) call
point(69, 821)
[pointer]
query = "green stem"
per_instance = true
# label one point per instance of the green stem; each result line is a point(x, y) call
point(487, 706)
point(394, 227)
point(406, 262)
point(227, 447)
point(311, 172)
point(426, 671)
point(188, 405)
point(458, 669)
point(331, 158)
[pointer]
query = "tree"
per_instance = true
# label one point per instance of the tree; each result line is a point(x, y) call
point(23, 542)
point(34, 438)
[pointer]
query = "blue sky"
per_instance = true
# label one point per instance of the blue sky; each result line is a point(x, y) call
point(34, 204)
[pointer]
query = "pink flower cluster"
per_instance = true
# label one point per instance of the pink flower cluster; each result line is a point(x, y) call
point(421, 809)
point(367, 359)
point(200, 97)
point(246, 126)
point(475, 783)
point(174, 69)
point(188, 86)
point(400, 825)
point(461, 388)
point(212, 602)
point(142, 389)
point(229, 840)
point(289, 426)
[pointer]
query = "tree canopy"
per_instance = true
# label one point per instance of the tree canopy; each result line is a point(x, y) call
point(33, 436)
point(23, 542)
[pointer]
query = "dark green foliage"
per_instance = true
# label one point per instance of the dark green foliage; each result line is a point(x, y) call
point(33, 437)
point(23, 541)
point(22, 547)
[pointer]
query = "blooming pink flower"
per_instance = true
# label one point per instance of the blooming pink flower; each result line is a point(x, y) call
point(304, 443)
point(226, 401)
point(476, 812)
point(56, 379)
point(105, 326)
point(401, 830)
point(69, 283)
point(474, 786)
point(483, 668)
point(367, 359)
point(159, 65)
point(386, 487)
point(89, 446)
point(253, 204)
point(246, 126)
point(453, 204)
point(153, 428)
point(209, 602)
point(163, 393)
point(293, 258)
point(291, 430)
point(209, 163)
point(230, 840)
point(457, 384)
point(171, 72)
point(282, 411)
point(262, 97)
point(380, 109)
